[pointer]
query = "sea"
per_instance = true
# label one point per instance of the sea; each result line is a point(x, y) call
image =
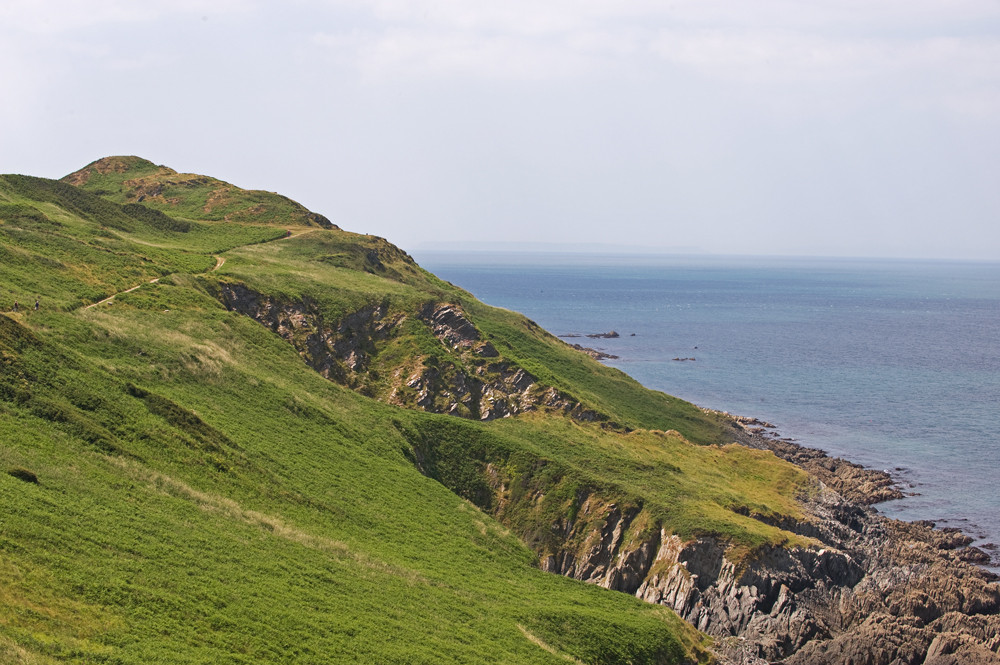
point(892, 364)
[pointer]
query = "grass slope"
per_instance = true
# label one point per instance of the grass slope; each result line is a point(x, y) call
point(178, 486)
point(185, 195)
point(162, 533)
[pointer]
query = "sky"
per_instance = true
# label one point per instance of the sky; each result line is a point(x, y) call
point(776, 127)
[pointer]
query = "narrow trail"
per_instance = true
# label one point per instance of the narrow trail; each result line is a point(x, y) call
point(219, 262)
point(112, 297)
point(296, 235)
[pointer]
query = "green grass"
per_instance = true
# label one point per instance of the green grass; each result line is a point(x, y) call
point(203, 496)
point(184, 195)
point(194, 534)
point(606, 389)
point(73, 248)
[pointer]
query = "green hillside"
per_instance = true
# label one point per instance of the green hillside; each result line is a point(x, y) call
point(292, 444)
point(129, 180)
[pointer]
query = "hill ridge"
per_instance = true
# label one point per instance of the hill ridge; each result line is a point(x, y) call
point(136, 180)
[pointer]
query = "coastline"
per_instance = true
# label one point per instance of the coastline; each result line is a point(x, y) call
point(858, 484)
point(870, 589)
point(893, 591)
point(903, 376)
point(862, 486)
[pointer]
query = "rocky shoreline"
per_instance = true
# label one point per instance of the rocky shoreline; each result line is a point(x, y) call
point(860, 485)
point(923, 597)
point(872, 591)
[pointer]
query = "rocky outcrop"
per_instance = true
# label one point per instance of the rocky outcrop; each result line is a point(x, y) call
point(873, 591)
point(451, 326)
point(870, 591)
point(476, 381)
point(468, 379)
point(602, 556)
point(776, 600)
point(339, 350)
point(594, 353)
point(853, 481)
point(767, 601)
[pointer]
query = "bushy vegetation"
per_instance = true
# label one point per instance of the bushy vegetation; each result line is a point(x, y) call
point(181, 487)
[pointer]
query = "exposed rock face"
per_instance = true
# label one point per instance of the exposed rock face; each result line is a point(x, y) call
point(488, 386)
point(473, 381)
point(340, 350)
point(856, 483)
point(450, 326)
point(878, 591)
point(778, 601)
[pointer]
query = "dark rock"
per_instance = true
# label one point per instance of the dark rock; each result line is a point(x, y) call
point(594, 353)
point(974, 555)
point(343, 351)
point(875, 591)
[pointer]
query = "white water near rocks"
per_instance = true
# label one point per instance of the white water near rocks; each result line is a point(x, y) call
point(891, 364)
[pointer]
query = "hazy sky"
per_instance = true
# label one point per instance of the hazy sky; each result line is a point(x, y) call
point(829, 127)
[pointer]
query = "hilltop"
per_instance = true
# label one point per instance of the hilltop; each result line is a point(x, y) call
point(235, 432)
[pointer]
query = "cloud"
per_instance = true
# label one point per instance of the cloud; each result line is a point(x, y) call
point(788, 58)
point(55, 17)
point(555, 16)
point(561, 112)
point(405, 53)
point(932, 53)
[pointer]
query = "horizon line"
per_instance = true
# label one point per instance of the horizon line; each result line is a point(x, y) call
point(598, 249)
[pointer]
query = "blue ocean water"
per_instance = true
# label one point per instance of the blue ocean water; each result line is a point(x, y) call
point(891, 364)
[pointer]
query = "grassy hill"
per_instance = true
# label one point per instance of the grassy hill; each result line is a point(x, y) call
point(292, 444)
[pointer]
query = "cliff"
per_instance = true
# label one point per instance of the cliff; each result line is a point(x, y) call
point(867, 590)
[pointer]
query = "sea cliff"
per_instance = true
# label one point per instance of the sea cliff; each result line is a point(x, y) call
point(879, 591)
point(869, 590)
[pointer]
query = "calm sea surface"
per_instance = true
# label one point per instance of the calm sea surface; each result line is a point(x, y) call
point(891, 364)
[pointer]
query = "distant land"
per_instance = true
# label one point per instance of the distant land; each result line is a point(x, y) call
point(569, 247)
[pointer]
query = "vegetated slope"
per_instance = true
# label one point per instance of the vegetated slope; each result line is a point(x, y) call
point(179, 486)
point(213, 489)
point(135, 180)
point(235, 507)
